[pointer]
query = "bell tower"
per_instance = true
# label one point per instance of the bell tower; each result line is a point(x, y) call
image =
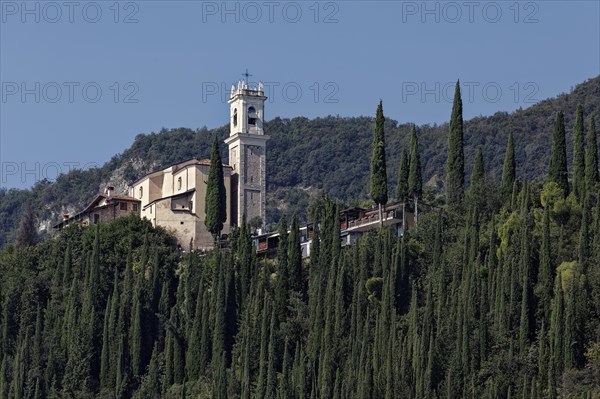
point(247, 152)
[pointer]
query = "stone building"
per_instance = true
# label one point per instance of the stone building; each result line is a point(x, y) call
point(103, 208)
point(247, 152)
point(174, 198)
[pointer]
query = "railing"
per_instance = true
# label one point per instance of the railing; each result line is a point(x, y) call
point(393, 214)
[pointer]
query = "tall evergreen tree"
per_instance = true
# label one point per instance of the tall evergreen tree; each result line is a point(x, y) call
point(283, 279)
point(415, 181)
point(296, 274)
point(477, 189)
point(216, 201)
point(136, 332)
point(27, 232)
point(509, 170)
point(455, 164)
point(591, 157)
point(379, 192)
point(578, 156)
point(558, 159)
point(403, 171)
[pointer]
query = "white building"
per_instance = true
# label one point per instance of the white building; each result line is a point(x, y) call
point(247, 153)
point(174, 197)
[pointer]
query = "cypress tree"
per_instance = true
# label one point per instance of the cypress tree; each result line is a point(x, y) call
point(205, 340)
point(121, 371)
point(261, 384)
point(299, 373)
point(271, 386)
point(578, 156)
point(105, 354)
point(509, 170)
point(230, 316)
point(27, 232)
point(477, 189)
point(455, 165)
point(584, 239)
point(178, 350)
point(591, 157)
point(136, 331)
point(296, 278)
point(569, 327)
point(216, 201)
point(218, 339)
point(402, 190)
point(281, 289)
point(285, 390)
point(379, 192)
point(546, 271)
point(194, 351)
point(221, 378)
point(558, 159)
point(415, 181)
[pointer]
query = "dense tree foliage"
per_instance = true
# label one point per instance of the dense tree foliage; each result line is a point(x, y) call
point(578, 155)
point(456, 308)
point(216, 198)
point(308, 157)
point(455, 165)
point(509, 170)
point(558, 172)
point(379, 191)
point(403, 174)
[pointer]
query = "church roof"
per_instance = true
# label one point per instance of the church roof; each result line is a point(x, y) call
point(95, 203)
point(178, 166)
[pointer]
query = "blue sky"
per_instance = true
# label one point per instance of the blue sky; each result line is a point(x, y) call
point(80, 80)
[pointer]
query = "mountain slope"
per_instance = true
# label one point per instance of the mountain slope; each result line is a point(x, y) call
point(307, 157)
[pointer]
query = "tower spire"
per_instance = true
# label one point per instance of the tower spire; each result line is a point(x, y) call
point(247, 152)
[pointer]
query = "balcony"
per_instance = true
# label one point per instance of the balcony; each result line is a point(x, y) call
point(371, 220)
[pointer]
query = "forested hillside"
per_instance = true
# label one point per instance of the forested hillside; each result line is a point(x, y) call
point(306, 158)
point(481, 302)
point(494, 294)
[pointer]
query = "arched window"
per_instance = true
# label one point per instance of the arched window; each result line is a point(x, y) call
point(251, 116)
point(179, 183)
point(235, 117)
point(141, 190)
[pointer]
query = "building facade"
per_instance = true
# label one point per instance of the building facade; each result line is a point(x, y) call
point(247, 153)
point(103, 208)
point(174, 198)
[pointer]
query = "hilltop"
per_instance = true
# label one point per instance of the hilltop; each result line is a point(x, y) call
point(307, 157)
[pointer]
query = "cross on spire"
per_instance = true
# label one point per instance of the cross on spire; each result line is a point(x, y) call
point(246, 75)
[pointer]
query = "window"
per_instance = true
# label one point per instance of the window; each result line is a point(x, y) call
point(235, 117)
point(151, 209)
point(179, 183)
point(191, 205)
point(96, 218)
point(135, 207)
point(141, 194)
point(123, 206)
point(251, 116)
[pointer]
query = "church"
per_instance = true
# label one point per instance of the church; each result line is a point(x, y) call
point(174, 197)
